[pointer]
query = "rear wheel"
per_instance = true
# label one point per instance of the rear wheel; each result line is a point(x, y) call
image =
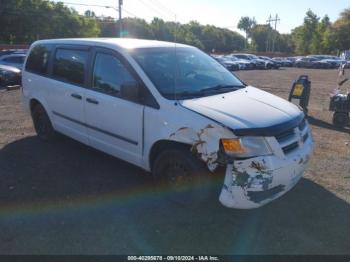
point(341, 119)
point(42, 123)
point(184, 178)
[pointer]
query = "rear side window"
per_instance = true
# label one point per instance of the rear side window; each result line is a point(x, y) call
point(38, 59)
point(69, 65)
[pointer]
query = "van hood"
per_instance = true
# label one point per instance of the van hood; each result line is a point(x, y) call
point(248, 109)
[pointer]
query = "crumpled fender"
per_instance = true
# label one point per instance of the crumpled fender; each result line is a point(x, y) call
point(205, 142)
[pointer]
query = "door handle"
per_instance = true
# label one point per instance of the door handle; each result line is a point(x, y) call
point(76, 96)
point(92, 101)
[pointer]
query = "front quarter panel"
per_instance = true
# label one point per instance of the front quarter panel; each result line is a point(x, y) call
point(178, 124)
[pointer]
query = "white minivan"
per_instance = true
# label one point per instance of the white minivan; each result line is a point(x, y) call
point(171, 110)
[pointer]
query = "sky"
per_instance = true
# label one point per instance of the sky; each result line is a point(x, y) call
point(221, 13)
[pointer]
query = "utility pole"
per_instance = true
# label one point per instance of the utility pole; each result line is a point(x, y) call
point(269, 21)
point(268, 34)
point(120, 19)
point(276, 20)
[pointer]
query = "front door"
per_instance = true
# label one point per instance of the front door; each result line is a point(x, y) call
point(115, 124)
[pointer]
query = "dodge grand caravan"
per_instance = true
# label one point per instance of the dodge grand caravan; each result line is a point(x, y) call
point(171, 110)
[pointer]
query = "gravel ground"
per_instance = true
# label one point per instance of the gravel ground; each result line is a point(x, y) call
point(66, 198)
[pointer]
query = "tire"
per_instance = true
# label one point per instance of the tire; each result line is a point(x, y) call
point(42, 124)
point(341, 120)
point(184, 177)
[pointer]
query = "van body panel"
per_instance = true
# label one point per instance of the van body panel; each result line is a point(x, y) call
point(115, 126)
point(66, 111)
point(245, 108)
point(129, 130)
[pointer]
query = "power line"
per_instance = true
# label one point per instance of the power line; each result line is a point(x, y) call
point(152, 8)
point(128, 12)
point(161, 6)
point(88, 5)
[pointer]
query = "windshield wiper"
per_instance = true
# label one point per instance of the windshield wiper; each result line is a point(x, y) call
point(222, 88)
point(186, 94)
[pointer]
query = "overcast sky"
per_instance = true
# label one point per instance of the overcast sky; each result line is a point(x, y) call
point(222, 13)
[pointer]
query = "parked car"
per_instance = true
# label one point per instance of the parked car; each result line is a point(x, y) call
point(15, 60)
point(179, 115)
point(271, 63)
point(243, 64)
point(310, 62)
point(347, 64)
point(9, 76)
point(13, 51)
point(284, 61)
point(258, 63)
point(333, 61)
point(228, 63)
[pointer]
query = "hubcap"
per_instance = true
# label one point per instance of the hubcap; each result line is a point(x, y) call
point(178, 176)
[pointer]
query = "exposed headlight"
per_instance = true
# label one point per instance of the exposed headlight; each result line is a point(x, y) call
point(246, 147)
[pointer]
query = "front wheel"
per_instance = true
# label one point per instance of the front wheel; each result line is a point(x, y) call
point(183, 177)
point(340, 119)
point(42, 123)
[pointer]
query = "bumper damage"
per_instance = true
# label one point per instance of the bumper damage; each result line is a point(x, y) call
point(256, 182)
point(250, 183)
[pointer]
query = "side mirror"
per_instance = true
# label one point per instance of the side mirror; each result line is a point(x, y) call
point(130, 91)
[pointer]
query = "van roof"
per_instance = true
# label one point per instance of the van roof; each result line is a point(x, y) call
point(125, 43)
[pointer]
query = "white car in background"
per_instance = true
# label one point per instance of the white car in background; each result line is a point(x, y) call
point(173, 111)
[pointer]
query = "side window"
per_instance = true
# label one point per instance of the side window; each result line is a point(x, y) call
point(109, 74)
point(38, 59)
point(69, 65)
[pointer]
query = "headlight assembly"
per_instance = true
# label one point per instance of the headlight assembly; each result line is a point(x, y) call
point(246, 147)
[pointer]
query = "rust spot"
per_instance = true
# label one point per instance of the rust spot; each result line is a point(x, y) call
point(301, 161)
point(196, 144)
point(182, 128)
point(209, 126)
point(258, 166)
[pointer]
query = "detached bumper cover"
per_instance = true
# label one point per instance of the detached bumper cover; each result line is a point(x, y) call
point(256, 182)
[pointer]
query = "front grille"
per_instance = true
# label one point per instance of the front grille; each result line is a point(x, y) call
point(288, 149)
point(285, 136)
point(289, 140)
point(302, 125)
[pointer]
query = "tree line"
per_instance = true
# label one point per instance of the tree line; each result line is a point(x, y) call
point(315, 36)
point(24, 21)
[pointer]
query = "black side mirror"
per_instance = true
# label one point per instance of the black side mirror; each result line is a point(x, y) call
point(130, 91)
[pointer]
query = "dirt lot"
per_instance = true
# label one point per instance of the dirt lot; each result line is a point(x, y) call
point(65, 198)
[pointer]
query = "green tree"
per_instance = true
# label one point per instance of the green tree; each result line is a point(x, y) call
point(339, 37)
point(24, 21)
point(246, 24)
point(260, 35)
point(306, 36)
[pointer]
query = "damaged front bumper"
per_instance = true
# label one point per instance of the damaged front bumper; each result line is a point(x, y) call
point(255, 182)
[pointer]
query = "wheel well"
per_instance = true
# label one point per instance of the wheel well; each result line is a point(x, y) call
point(163, 145)
point(33, 104)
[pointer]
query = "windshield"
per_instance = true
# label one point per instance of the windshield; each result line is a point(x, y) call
point(185, 73)
point(243, 57)
point(253, 57)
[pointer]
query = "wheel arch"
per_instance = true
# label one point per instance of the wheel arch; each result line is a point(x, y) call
point(162, 145)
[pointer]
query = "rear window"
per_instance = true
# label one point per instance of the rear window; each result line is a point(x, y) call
point(69, 65)
point(38, 59)
point(15, 59)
